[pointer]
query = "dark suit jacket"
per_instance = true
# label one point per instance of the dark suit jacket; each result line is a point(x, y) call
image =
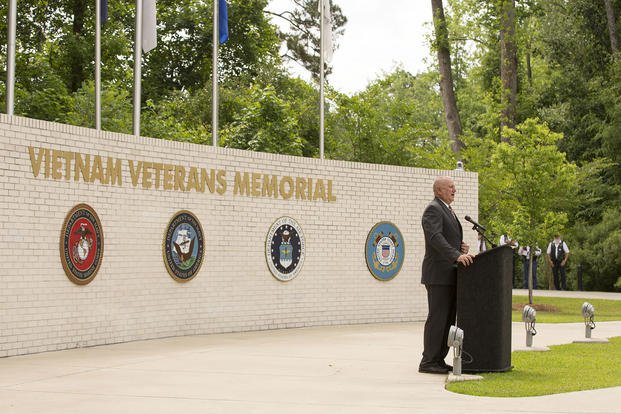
point(443, 237)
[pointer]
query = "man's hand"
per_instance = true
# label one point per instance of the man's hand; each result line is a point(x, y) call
point(464, 248)
point(465, 259)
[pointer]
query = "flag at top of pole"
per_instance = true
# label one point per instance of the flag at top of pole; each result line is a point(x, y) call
point(103, 7)
point(223, 21)
point(149, 25)
point(326, 39)
point(146, 39)
point(220, 35)
point(325, 55)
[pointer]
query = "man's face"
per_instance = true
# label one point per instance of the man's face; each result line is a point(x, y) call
point(446, 191)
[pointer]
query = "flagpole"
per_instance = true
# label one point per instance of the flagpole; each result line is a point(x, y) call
point(10, 70)
point(98, 64)
point(137, 67)
point(321, 81)
point(214, 76)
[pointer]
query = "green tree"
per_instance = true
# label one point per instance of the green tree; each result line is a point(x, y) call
point(116, 110)
point(266, 123)
point(596, 248)
point(183, 56)
point(525, 186)
point(397, 120)
point(302, 38)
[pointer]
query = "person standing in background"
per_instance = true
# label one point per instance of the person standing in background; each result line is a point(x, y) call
point(505, 239)
point(558, 253)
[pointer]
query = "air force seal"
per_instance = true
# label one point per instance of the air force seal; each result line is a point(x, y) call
point(384, 251)
point(183, 246)
point(284, 249)
point(81, 244)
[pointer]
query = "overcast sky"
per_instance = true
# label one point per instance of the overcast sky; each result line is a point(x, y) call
point(379, 36)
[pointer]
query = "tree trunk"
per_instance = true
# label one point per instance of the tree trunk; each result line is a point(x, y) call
point(529, 69)
point(530, 277)
point(449, 101)
point(612, 26)
point(508, 66)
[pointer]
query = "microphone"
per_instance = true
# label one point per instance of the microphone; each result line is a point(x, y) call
point(477, 226)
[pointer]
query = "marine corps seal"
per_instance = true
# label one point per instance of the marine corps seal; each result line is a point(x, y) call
point(81, 244)
point(384, 251)
point(284, 249)
point(183, 246)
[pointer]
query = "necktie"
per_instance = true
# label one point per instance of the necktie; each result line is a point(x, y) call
point(454, 215)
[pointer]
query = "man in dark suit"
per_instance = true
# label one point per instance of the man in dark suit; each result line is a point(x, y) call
point(444, 249)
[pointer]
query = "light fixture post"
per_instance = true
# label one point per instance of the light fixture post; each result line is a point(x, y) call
point(529, 316)
point(588, 313)
point(456, 340)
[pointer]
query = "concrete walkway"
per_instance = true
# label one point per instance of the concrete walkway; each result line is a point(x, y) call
point(341, 369)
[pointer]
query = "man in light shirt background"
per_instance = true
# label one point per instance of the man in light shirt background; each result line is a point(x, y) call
point(558, 253)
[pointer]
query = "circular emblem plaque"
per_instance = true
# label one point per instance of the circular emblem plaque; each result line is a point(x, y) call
point(81, 244)
point(284, 249)
point(183, 246)
point(384, 251)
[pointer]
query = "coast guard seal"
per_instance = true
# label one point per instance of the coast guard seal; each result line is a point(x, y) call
point(284, 249)
point(81, 244)
point(183, 246)
point(384, 251)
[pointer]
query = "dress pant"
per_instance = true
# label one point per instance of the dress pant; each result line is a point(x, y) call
point(560, 277)
point(442, 301)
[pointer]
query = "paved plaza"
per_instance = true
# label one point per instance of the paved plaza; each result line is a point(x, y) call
point(338, 369)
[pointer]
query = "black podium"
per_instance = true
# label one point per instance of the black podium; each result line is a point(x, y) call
point(484, 310)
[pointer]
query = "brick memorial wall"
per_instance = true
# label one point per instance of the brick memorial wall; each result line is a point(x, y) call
point(137, 185)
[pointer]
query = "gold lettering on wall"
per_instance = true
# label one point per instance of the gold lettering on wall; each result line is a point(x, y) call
point(270, 186)
point(221, 177)
point(286, 191)
point(149, 175)
point(242, 184)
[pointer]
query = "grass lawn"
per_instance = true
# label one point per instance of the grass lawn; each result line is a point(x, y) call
point(563, 310)
point(565, 368)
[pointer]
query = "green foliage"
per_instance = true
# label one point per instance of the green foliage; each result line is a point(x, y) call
point(524, 184)
point(116, 108)
point(396, 120)
point(560, 370)
point(183, 57)
point(266, 123)
point(597, 248)
point(42, 95)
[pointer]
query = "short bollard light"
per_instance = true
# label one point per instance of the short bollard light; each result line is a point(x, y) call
point(588, 313)
point(529, 316)
point(456, 341)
